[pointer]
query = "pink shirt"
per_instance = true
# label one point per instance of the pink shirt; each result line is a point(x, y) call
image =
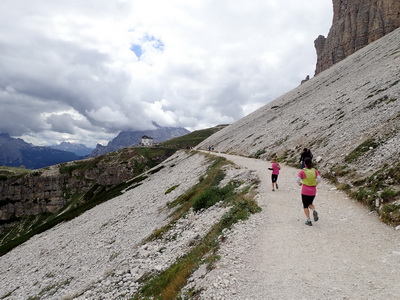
point(306, 189)
point(275, 169)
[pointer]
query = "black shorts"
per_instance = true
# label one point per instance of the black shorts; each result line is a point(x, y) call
point(274, 177)
point(307, 200)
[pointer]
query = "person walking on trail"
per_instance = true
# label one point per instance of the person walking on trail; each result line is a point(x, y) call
point(306, 153)
point(275, 172)
point(308, 178)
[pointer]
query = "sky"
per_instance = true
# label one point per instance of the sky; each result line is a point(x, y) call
point(84, 70)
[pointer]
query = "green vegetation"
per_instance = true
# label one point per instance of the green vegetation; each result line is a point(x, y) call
point(391, 213)
point(171, 189)
point(10, 172)
point(32, 225)
point(375, 191)
point(137, 160)
point(191, 139)
point(366, 146)
point(258, 153)
point(168, 284)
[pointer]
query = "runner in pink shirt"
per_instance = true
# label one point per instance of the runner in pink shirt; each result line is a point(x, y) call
point(275, 172)
point(308, 178)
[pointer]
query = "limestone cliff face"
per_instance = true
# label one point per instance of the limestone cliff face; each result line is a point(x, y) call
point(50, 189)
point(356, 23)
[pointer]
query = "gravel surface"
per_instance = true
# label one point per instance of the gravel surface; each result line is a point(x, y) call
point(347, 254)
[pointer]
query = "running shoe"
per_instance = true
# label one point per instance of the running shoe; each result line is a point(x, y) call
point(315, 214)
point(308, 223)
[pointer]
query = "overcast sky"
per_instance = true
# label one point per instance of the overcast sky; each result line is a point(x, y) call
point(84, 70)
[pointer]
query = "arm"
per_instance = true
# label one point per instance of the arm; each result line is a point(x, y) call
point(319, 179)
point(298, 180)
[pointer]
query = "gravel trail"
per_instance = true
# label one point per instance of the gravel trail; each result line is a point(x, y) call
point(348, 254)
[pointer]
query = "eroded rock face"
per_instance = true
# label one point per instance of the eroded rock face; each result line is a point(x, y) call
point(48, 190)
point(356, 23)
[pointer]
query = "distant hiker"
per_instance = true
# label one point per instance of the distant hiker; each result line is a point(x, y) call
point(306, 153)
point(275, 172)
point(308, 178)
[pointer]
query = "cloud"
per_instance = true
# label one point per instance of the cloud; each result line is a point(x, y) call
point(87, 70)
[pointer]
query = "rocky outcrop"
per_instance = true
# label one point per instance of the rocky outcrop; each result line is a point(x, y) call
point(51, 189)
point(348, 115)
point(356, 23)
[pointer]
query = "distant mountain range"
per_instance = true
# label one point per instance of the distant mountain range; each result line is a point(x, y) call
point(132, 138)
point(78, 149)
point(17, 152)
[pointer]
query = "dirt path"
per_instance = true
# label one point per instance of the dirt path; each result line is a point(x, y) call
point(347, 254)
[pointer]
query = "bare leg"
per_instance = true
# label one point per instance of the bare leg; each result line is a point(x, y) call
point(307, 213)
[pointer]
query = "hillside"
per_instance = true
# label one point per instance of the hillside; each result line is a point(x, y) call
point(145, 242)
point(183, 233)
point(349, 115)
point(31, 201)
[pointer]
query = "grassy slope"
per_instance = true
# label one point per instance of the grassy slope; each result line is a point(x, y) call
point(141, 159)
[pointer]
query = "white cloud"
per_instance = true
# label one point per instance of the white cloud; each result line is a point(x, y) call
point(196, 63)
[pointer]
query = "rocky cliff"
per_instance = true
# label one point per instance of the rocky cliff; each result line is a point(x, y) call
point(349, 115)
point(356, 23)
point(28, 200)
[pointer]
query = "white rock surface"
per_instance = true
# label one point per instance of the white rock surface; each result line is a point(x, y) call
point(347, 254)
point(333, 113)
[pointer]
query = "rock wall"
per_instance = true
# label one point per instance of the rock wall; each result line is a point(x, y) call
point(356, 23)
point(50, 189)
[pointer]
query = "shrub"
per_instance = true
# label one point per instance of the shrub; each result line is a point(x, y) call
point(360, 150)
point(389, 194)
point(390, 214)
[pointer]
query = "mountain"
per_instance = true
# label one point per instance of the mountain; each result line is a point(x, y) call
point(356, 23)
point(78, 149)
point(348, 115)
point(16, 152)
point(162, 231)
point(132, 138)
point(30, 201)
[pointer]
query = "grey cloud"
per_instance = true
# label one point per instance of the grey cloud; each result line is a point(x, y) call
point(59, 56)
point(62, 123)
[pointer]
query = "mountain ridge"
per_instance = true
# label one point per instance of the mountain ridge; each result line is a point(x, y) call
point(349, 115)
point(133, 138)
point(17, 152)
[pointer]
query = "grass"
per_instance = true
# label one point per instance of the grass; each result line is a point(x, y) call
point(258, 153)
point(10, 172)
point(84, 197)
point(377, 191)
point(191, 139)
point(171, 189)
point(363, 148)
point(168, 283)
